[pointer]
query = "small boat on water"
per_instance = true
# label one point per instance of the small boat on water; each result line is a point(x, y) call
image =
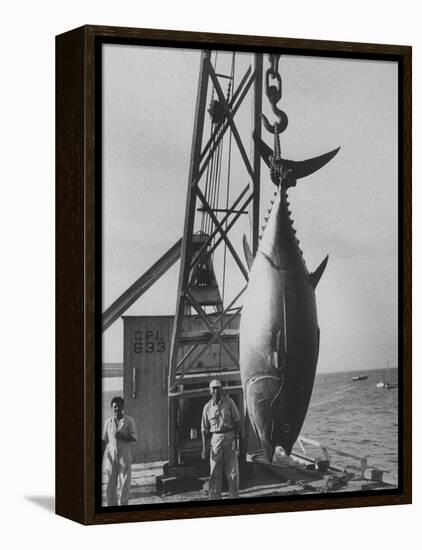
point(359, 377)
point(386, 384)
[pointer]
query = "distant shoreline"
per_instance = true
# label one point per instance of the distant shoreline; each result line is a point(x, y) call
point(115, 370)
point(112, 370)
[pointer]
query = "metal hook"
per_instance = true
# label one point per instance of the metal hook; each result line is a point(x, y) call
point(282, 120)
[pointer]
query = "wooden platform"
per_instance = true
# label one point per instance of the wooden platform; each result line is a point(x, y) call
point(285, 476)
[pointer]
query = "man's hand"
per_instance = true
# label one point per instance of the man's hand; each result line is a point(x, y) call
point(120, 435)
point(204, 444)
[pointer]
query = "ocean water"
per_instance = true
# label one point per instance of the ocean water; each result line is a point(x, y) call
point(356, 418)
point(353, 417)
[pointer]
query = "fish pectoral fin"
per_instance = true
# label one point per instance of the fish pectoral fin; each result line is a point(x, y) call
point(281, 338)
point(273, 359)
point(282, 347)
point(278, 355)
point(317, 274)
point(248, 253)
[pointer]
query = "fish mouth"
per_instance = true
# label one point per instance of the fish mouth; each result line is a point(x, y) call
point(261, 393)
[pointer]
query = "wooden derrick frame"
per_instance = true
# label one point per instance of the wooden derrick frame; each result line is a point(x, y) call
point(200, 159)
point(199, 162)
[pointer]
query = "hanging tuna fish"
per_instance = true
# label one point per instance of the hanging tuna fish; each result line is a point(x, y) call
point(279, 333)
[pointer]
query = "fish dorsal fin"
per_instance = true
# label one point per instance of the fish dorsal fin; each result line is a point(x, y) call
point(317, 274)
point(248, 253)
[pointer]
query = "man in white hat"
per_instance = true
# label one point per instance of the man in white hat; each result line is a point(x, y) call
point(221, 419)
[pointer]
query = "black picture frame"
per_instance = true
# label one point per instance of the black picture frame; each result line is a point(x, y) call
point(78, 270)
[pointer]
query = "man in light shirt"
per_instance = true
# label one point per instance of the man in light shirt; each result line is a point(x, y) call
point(221, 419)
point(118, 434)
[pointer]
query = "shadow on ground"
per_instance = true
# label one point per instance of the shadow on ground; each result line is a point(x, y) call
point(46, 502)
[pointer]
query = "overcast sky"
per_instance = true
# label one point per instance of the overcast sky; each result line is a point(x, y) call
point(348, 209)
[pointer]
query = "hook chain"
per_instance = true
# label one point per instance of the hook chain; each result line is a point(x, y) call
point(273, 91)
